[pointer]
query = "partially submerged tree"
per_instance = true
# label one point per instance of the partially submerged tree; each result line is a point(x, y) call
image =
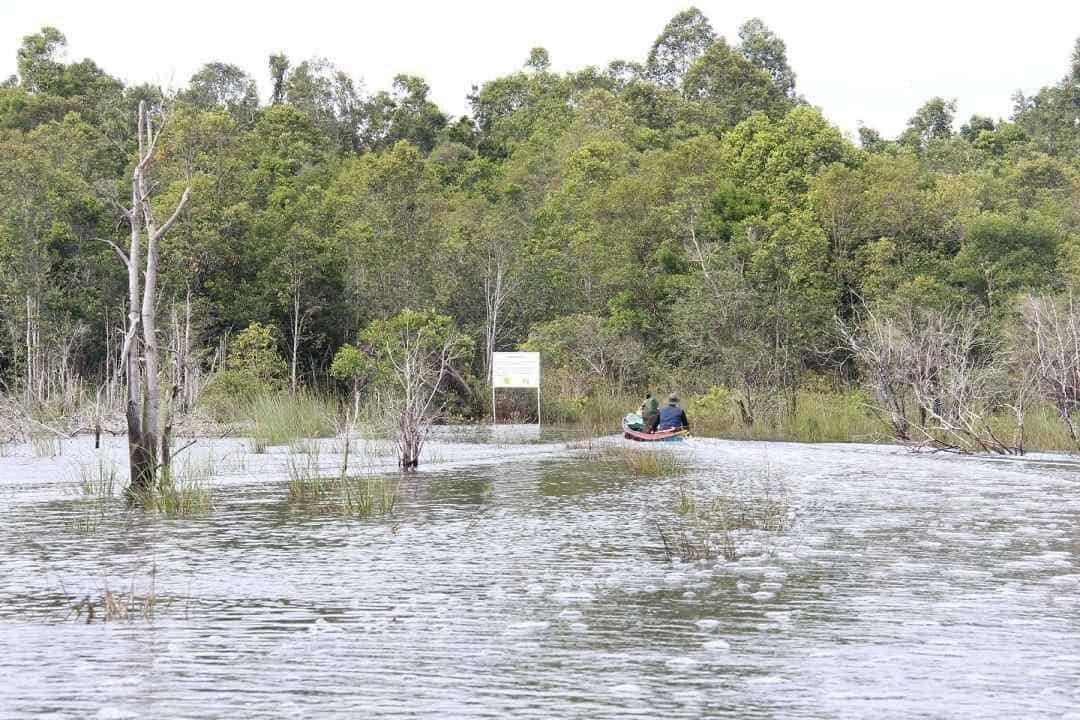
point(414, 352)
point(148, 443)
point(935, 364)
point(1049, 353)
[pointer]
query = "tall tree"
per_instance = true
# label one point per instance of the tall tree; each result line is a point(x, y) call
point(38, 60)
point(730, 88)
point(684, 39)
point(221, 85)
point(279, 66)
point(933, 121)
point(407, 114)
point(768, 52)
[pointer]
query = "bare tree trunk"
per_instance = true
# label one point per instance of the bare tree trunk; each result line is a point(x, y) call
point(29, 352)
point(295, 337)
point(142, 408)
point(186, 379)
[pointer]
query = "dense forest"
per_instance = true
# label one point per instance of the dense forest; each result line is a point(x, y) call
point(688, 220)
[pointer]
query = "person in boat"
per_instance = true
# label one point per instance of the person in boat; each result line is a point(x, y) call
point(672, 417)
point(650, 413)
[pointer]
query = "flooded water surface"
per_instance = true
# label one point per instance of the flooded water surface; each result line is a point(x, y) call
point(516, 579)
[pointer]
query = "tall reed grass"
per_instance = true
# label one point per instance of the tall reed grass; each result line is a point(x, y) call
point(99, 480)
point(181, 493)
point(336, 491)
point(97, 483)
point(285, 419)
point(45, 444)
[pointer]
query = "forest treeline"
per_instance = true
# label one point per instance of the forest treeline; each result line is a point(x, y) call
point(687, 219)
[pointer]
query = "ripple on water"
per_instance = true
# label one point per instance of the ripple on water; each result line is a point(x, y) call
point(904, 577)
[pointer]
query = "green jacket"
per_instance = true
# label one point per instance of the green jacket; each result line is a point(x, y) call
point(649, 406)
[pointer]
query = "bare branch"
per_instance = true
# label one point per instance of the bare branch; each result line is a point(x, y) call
point(119, 253)
point(123, 210)
point(172, 218)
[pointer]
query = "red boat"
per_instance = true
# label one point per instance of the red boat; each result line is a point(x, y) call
point(659, 436)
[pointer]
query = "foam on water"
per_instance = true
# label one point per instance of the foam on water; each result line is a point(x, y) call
point(512, 581)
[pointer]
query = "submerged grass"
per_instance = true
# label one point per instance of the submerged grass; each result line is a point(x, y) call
point(630, 460)
point(118, 607)
point(99, 480)
point(339, 493)
point(704, 525)
point(368, 496)
point(45, 444)
point(181, 494)
point(808, 415)
point(98, 485)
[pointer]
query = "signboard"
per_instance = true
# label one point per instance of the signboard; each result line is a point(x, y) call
point(515, 370)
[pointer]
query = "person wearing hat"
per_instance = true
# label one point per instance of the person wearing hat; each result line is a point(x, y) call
point(672, 417)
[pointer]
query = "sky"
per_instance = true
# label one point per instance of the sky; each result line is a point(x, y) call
point(860, 62)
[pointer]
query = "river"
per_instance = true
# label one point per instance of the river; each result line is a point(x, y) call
point(515, 580)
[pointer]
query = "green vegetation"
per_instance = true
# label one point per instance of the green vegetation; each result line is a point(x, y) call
point(704, 525)
point(100, 480)
point(98, 484)
point(339, 492)
point(636, 461)
point(284, 419)
point(182, 492)
point(253, 369)
point(682, 221)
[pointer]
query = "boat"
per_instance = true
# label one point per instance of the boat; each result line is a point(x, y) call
point(635, 433)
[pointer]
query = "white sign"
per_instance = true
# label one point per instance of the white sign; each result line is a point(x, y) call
point(515, 370)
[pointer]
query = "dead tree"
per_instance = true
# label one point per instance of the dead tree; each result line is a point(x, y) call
point(933, 363)
point(1048, 351)
point(148, 444)
point(415, 353)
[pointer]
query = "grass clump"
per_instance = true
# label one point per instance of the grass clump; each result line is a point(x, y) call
point(179, 495)
point(285, 419)
point(100, 480)
point(341, 493)
point(45, 444)
point(704, 526)
point(649, 463)
point(118, 606)
point(630, 459)
point(98, 484)
point(180, 492)
point(368, 496)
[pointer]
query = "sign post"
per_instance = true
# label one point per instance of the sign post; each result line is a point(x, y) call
point(515, 370)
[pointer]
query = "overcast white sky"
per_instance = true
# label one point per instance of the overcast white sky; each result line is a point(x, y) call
point(859, 61)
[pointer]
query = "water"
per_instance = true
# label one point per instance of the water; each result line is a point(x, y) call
point(512, 581)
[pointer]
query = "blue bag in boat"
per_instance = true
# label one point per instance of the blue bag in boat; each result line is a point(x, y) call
point(633, 421)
